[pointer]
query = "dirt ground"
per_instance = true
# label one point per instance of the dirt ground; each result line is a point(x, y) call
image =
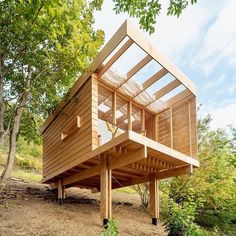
point(29, 209)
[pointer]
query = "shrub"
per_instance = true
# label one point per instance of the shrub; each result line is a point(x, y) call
point(112, 229)
point(143, 191)
point(28, 163)
point(179, 218)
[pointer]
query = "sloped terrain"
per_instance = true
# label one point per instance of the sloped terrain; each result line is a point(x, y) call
point(32, 209)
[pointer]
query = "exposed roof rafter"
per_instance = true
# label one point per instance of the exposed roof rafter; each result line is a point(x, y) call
point(114, 58)
point(166, 89)
point(134, 36)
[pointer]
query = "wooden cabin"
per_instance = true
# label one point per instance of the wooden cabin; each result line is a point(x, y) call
point(130, 119)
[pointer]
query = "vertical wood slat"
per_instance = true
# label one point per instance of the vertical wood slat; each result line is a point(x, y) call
point(94, 111)
point(156, 127)
point(109, 194)
point(142, 120)
point(130, 115)
point(171, 128)
point(190, 129)
point(114, 107)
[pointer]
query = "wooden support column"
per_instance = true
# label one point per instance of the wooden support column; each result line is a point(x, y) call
point(154, 200)
point(105, 188)
point(61, 191)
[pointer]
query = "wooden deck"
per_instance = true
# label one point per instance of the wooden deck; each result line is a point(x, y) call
point(132, 157)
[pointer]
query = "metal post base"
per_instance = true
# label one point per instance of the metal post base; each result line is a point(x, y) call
point(60, 200)
point(154, 221)
point(105, 223)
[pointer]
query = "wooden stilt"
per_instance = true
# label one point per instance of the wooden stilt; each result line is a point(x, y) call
point(154, 200)
point(63, 192)
point(105, 188)
point(60, 191)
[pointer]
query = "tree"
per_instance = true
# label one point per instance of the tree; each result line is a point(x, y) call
point(212, 186)
point(44, 46)
point(148, 10)
point(143, 192)
point(208, 196)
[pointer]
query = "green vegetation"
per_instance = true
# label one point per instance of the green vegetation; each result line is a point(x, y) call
point(148, 10)
point(112, 229)
point(44, 47)
point(203, 203)
point(208, 196)
point(179, 218)
point(28, 161)
point(25, 175)
point(125, 190)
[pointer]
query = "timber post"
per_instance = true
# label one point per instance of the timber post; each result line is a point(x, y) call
point(154, 200)
point(105, 194)
point(61, 191)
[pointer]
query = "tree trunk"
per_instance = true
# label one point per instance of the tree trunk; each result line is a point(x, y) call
point(15, 130)
point(12, 143)
point(1, 103)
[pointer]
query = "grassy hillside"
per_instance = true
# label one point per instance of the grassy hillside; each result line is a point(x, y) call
point(28, 163)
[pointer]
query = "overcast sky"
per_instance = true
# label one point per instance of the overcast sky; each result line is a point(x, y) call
point(202, 43)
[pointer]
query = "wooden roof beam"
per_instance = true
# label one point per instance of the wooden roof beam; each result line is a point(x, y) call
point(177, 98)
point(166, 89)
point(185, 94)
point(115, 57)
point(149, 82)
point(139, 66)
point(136, 69)
point(143, 43)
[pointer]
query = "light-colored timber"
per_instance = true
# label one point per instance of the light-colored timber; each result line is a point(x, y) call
point(147, 138)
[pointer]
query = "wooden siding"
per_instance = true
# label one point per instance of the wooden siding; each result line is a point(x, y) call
point(177, 127)
point(57, 152)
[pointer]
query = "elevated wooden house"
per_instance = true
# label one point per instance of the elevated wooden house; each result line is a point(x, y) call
point(130, 119)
